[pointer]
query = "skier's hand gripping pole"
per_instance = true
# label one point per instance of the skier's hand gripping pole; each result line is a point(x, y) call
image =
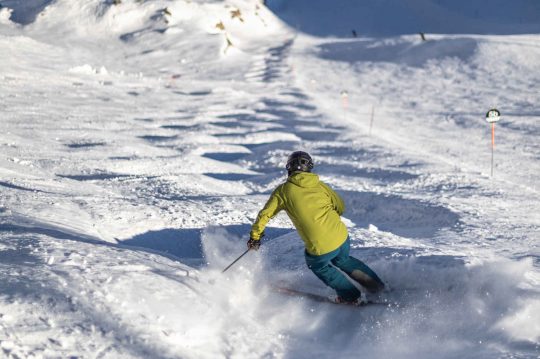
point(254, 244)
point(251, 244)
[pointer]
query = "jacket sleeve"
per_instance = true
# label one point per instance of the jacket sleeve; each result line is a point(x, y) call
point(270, 209)
point(337, 202)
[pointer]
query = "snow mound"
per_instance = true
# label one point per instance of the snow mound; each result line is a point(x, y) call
point(25, 11)
point(238, 20)
point(404, 50)
point(5, 14)
point(88, 70)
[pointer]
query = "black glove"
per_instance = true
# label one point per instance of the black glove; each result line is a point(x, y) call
point(254, 244)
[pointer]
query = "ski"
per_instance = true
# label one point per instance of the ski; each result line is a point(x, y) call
point(321, 298)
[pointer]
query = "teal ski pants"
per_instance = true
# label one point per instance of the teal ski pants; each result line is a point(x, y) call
point(326, 267)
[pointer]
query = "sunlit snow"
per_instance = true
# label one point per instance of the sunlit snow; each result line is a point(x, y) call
point(139, 139)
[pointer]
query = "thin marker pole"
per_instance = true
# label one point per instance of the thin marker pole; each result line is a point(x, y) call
point(344, 103)
point(372, 117)
point(493, 116)
point(492, 146)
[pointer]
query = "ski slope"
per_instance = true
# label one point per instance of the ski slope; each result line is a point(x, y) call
point(139, 140)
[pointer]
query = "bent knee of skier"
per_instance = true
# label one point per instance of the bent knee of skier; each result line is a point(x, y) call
point(336, 280)
point(371, 283)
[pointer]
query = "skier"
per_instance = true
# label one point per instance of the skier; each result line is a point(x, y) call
point(315, 210)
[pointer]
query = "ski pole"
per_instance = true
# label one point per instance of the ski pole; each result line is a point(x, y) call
point(236, 260)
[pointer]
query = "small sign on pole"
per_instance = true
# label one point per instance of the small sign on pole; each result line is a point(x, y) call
point(493, 116)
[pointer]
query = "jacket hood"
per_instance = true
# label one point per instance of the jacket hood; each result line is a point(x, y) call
point(304, 179)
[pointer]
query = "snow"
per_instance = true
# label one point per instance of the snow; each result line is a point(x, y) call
point(139, 140)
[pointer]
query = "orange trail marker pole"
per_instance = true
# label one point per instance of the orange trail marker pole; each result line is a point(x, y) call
point(492, 146)
point(493, 116)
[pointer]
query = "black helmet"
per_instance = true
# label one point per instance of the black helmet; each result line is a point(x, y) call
point(299, 161)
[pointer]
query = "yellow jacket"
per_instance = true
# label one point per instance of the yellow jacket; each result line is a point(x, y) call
point(313, 207)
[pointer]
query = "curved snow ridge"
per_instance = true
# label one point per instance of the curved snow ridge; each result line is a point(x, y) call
point(404, 50)
point(58, 224)
point(402, 216)
point(25, 49)
point(262, 137)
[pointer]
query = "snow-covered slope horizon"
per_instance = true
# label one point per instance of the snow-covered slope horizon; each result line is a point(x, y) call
point(383, 18)
point(139, 139)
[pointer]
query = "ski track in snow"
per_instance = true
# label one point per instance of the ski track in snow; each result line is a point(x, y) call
point(137, 148)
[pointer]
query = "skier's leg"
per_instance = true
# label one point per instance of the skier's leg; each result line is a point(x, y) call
point(323, 269)
point(357, 269)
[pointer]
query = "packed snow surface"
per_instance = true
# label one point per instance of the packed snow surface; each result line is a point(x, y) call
point(139, 139)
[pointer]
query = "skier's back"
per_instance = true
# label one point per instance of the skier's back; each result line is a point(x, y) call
point(315, 210)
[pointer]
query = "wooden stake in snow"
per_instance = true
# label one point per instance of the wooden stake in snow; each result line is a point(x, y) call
point(372, 117)
point(493, 116)
point(344, 102)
